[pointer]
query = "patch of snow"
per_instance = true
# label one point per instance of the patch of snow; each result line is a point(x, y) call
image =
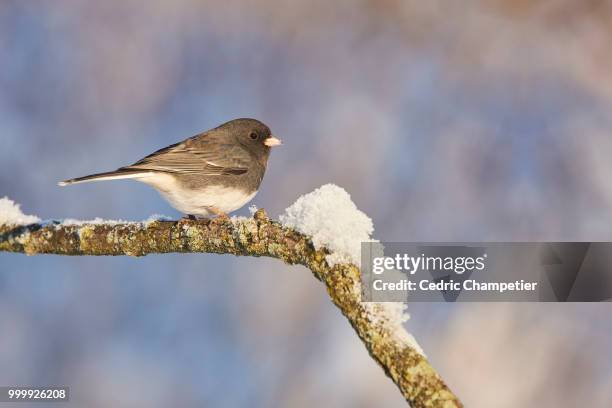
point(252, 209)
point(332, 220)
point(392, 316)
point(97, 220)
point(10, 214)
point(236, 219)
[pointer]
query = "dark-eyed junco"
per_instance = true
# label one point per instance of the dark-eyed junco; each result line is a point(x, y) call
point(215, 172)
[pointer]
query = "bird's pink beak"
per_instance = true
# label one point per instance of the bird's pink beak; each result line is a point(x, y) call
point(272, 141)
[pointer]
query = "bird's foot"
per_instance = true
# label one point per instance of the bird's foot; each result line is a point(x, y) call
point(189, 217)
point(220, 214)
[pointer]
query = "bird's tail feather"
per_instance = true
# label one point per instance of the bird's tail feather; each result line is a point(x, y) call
point(118, 174)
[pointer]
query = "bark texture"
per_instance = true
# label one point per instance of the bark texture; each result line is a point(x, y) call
point(257, 236)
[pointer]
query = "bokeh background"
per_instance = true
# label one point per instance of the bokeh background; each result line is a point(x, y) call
point(470, 120)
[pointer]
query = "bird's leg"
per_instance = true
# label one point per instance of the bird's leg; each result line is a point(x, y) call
point(217, 212)
point(188, 217)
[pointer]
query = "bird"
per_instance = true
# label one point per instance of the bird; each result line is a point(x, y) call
point(210, 174)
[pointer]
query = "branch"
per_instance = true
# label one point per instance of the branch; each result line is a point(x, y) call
point(257, 236)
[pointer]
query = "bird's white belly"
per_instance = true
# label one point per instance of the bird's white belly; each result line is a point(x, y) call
point(198, 202)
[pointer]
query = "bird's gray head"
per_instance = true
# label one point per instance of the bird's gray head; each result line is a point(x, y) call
point(252, 134)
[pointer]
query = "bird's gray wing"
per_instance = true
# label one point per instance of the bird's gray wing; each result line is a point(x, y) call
point(200, 155)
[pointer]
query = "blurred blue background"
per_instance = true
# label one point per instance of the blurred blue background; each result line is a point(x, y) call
point(473, 120)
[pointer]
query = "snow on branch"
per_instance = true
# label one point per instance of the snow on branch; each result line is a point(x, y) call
point(322, 230)
point(10, 214)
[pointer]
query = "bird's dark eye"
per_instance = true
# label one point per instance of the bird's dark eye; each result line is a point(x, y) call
point(253, 135)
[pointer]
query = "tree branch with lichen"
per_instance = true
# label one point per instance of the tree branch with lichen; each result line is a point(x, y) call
point(258, 236)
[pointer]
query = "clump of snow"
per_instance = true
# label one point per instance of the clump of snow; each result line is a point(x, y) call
point(332, 220)
point(10, 214)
